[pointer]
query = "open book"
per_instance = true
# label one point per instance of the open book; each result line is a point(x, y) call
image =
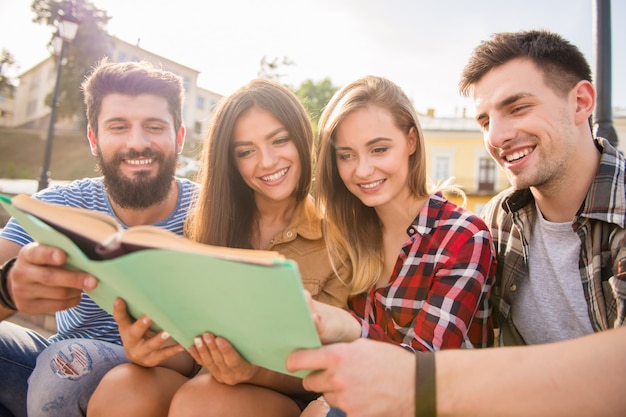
point(253, 298)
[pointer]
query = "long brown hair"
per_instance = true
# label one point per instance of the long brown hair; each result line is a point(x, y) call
point(225, 212)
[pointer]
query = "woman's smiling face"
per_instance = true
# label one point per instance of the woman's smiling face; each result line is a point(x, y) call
point(373, 156)
point(265, 155)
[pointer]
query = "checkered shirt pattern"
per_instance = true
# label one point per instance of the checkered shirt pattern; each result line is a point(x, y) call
point(438, 295)
point(599, 224)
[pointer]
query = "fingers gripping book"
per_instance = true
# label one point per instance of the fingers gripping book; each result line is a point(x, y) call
point(253, 298)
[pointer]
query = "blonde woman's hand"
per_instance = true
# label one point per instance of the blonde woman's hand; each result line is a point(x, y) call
point(316, 408)
point(333, 324)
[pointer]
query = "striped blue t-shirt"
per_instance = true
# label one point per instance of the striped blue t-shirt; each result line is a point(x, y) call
point(87, 320)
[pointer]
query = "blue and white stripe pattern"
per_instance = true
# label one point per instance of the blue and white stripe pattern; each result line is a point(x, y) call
point(87, 320)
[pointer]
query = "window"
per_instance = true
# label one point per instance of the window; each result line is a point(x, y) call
point(34, 82)
point(31, 107)
point(197, 128)
point(442, 168)
point(486, 174)
point(200, 102)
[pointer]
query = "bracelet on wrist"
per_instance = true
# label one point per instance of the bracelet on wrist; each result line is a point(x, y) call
point(425, 389)
point(5, 297)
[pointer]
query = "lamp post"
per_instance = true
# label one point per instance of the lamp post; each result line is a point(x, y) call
point(603, 114)
point(68, 26)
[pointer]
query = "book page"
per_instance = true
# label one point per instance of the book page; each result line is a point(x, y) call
point(100, 236)
point(91, 224)
point(156, 238)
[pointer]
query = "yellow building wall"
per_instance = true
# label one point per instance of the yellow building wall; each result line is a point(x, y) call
point(465, 148)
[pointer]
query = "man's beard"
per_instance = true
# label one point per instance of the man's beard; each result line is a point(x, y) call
point(140, 191)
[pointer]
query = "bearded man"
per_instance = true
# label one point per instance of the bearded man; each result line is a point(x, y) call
point(135, 129)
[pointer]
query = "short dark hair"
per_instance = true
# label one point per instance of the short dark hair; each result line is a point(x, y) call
point(131, 78)
point(562, 63)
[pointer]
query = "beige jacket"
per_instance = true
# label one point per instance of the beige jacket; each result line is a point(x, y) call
point(303, 242)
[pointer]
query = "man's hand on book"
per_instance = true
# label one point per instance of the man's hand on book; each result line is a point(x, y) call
point(340, 376)
point(38, 283)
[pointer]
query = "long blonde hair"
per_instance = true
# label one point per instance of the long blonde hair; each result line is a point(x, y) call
point(351, 226)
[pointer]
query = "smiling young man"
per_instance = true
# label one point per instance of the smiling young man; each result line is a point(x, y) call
point(559, 230)
point(135, 129)
point(560, 241)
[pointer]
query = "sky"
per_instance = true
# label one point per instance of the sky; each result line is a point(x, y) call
point(422, 45)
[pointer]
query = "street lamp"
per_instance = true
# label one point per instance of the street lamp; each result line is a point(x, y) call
point(603, 114)
point(68, 26)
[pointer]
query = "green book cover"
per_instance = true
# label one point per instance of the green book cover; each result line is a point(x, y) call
point(252, 298)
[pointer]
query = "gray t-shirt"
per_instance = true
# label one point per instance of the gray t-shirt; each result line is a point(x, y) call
point(551, 305)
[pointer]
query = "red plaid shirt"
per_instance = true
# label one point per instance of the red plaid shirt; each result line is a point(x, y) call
point(438, 295)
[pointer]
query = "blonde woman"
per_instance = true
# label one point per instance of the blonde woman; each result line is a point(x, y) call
point(423, 267)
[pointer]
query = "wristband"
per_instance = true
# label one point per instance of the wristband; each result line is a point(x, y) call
point(425, 389)
point(5, 298)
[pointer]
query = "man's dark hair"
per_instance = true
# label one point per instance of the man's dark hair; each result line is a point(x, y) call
point(133, 79)
point(562, 63)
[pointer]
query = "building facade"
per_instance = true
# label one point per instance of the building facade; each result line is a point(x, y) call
point(455, 149)
point(6, 110)
point(30, 111)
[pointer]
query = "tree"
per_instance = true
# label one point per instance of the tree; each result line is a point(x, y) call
point(92, 42)
point(7, 60)
point(270, 67)
point(315, 96)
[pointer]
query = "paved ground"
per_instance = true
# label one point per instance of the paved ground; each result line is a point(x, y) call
point(42, 324)
point(9, 186)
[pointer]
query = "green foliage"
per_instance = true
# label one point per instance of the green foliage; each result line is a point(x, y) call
point(9, 170)
point(91, 43)
point(25, 174)
point(315, 96)
point(270, 68)
point(7, 87)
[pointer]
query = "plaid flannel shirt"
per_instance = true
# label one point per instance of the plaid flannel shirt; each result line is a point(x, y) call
point(599, 224)
point(438, 295)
